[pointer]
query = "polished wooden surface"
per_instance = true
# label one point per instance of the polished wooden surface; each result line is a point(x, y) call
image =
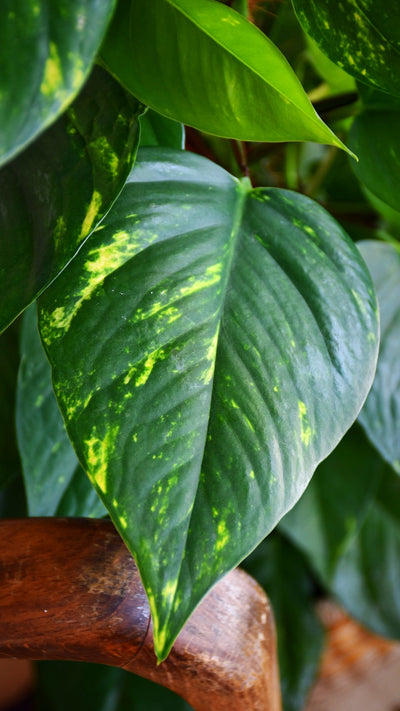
point(69, 589)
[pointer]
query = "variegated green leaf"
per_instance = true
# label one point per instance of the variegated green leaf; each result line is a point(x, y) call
point(210, 345)
point(361, 36)
point(380, 415)
point(223, 76)
point(55, 483)
point(56, 192)
point(47, 49)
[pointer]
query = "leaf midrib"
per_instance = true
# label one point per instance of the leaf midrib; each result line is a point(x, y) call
point(242, 190)
point(314, 119)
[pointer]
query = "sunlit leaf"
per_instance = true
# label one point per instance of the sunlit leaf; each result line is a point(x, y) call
point(56, 191)
point(47, 49)
point(210, 345)
point(223, 76)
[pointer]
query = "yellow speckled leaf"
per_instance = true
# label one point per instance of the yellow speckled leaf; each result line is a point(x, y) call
point(220, 353)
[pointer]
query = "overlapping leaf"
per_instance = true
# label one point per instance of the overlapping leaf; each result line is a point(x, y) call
point(55, 483)
point(375, 137)
point(380, 415)
point(46, 52)
point(9, 457)
point(333, 507)
point(361, 36)
point(223, 76)
point(156, 130)
point(288, 582)
point(56, 191)
point(210, 345)
point(367, 577)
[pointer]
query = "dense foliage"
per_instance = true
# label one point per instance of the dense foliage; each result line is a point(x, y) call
point(193, 312)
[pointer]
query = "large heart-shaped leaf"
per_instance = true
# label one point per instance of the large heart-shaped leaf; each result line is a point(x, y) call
point(361, 36)
point(288, 582)
point(210, 345)
point(375, 137)
point(56, 191)
point(333, 507)
point(380, 415)
point(223, 76)
point(55, 483)
point(47, 49)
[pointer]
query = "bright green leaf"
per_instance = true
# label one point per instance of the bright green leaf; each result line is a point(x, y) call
point(367, 577)
point(47, 49)
point(57, 191)
point(380, 415)
point(156, 130)
point(334, 505)
point(360, 36)
point(210, 345)
point(375, 137)
point(223, 76)
point(54, 481)
point(284, 574)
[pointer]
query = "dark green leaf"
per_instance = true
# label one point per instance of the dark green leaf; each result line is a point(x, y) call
point(10, 464)
point(367, 577)
point(210, 345)
point(361, 36)
point(92, 687)
point(375, 137)
point(156, 130)
point(223, 76)
point(380, 415)
point(282, 571)
point(46, 51)
point(334, 505)
point(55, 193)
point(51, 470)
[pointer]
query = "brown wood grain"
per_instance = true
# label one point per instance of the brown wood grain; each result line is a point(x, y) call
point(69, 589)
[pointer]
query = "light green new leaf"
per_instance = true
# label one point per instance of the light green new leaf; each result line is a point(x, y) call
point(375, 137)
point(380, 415)
point(288, 582)
point(334, 505)
point(55, 193)
point(210, 345)
point(201, 63)
point(367, 577)
point(47, 49)
point(361, 36)
point(55, 483)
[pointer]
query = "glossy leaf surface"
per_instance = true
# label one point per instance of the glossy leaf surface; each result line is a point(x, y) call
point(361, 36)
point(334, 505)
point(367, 577)
point(375, 137)
point(55, 483)
point(223, 76)
point(285, 576)
point(380, 415)
point(46, 52)
point(56, 191)
point(210, 345)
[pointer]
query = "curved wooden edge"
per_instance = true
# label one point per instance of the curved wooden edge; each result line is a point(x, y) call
point(69, 589)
